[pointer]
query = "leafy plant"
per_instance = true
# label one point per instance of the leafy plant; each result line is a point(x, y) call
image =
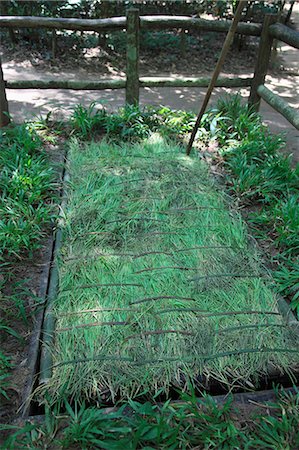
point(25, 186)
point(87, 120)
point(237, 120)
point(189, 423)
point(287, 279)
point(280, 429)
point(131, 122)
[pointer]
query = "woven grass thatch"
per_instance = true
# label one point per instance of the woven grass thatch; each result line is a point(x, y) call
point(158, 285)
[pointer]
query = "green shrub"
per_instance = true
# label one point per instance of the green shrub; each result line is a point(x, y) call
point(86, 121)
point(25, 185)
point(236, 120)
point(131, 122)
point(287, 279)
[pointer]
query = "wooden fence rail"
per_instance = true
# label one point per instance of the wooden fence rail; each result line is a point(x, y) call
point(285, 34)
point(279, 105)
point(115, 23)
point(99, 25)
point(120, 83)
point(133, 23)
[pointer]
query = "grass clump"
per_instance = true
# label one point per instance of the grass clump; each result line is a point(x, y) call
point(25, 185)
point(157, 282)
point(259, 174)
point(188, 424)
point(130, 123)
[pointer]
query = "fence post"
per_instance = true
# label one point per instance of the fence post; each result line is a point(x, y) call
point(263, 59)
point(132, 85)
point(4, 115)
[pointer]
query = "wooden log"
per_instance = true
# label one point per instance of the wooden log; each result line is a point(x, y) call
point(117, 83)
point(132, 70)
point(279, 105)
point(146, 23)
point(193, 82)
point(285, 34)
point(186, 22)
point(62, 23)
point(4, 112)
point(262, 62)
point(120, 83)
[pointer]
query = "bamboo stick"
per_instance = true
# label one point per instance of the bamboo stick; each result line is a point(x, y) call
point(117, 83)
point(4, 112)
point(235, 82)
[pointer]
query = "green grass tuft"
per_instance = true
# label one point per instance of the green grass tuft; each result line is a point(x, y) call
point(25, 184)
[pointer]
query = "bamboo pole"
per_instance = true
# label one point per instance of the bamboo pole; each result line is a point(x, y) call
point(132, 70)
point(120, 83)
point(62, 23)
point(4, 112)
point(279, 105)
point(285, 34)
point(117, 83)
point(222, 26)
point(262, 62)
point(226, 46)
point(193, 82)
point(113, 23)
point(49, 317)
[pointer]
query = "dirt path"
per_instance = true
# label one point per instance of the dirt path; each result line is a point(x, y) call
point(24, 104)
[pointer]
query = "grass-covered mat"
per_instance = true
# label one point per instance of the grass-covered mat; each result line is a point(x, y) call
point(158, 284)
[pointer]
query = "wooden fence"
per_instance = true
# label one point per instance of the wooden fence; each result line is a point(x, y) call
point(133, 23)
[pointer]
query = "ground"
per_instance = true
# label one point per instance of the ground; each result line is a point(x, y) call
point(27, 103)
point(24, 104)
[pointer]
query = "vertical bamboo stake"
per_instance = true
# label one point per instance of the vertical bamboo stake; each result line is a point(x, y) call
point(262, 62)
point(4, 113)
point(288, 16)
point(54, 44)
point(183, 42)
point(225, 48)
point(132, 86)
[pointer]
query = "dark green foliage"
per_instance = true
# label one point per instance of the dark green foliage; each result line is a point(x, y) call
point(131, 122)
point(280, 429)
point(283, 218)
point(151, 41)
point(261, 179)
point(174, 123)
point(287, 279)
point(236, 121)
point(86, 121)
point(189, 424)
point(25, 184)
